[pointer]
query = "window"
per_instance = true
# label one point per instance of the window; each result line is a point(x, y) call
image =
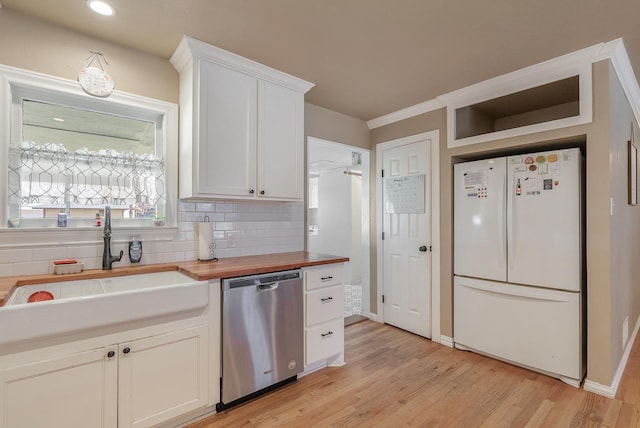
point(73, 154)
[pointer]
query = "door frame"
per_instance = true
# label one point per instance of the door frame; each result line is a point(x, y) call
point(434, 138)
point(366, 211)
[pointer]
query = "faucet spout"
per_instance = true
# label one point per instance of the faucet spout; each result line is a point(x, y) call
point(107, 258)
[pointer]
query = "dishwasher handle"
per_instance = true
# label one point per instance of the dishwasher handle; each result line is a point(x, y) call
point(268, 286)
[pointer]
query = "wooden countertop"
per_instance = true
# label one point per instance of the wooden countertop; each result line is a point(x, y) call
point(251, 265)
point(202, 271)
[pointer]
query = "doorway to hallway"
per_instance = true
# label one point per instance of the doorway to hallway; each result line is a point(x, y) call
point(338, 214)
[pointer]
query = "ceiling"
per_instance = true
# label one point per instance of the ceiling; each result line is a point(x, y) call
point(366, 57)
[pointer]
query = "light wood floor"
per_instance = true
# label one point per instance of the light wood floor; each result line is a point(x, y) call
point(394, 379)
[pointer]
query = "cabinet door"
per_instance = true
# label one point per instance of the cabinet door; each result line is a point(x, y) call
point(77, 390)
point(226, 140)
point(280, 142)
point(162, 377)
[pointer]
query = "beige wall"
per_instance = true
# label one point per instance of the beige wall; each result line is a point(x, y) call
point(38, 46)
point(612, 261)
point(337, 127)
point(625, 224)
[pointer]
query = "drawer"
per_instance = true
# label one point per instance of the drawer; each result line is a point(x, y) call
point(324, 304)
point(324, 340)
point(324, 276)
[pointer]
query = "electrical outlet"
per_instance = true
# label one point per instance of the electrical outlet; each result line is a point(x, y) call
point(625, 332)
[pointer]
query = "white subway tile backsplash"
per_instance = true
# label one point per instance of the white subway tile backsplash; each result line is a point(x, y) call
point(84, 251)
point(223, 225)
point(224, 207)
point(15, 255)
point(29, 268)
point(186, 206)
point(202, 206)
point(182, 246)
point(240, 228)
point(6, 269)
point(48, 253)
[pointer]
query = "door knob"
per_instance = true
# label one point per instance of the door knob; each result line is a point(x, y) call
point(423, 249)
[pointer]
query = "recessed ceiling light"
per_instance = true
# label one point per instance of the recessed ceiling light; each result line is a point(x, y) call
point(101, 7)
point(58, 119)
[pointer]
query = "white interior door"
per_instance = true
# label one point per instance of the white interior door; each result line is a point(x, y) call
point(407, 237)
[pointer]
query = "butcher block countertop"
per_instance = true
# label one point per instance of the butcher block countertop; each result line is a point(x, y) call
point(251, 265)
point(201, 271)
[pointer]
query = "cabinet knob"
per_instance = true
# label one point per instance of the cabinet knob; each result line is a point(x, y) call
point(262, 192)
point(126, 350)
point(110, 354)
point(252, 191)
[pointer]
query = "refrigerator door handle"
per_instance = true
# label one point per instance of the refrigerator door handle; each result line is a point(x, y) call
point(521, 291)
point(510, 226)
point(501, 225)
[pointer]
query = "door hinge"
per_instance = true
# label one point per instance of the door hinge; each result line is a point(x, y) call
point(383, 298)
point(430, 249)
point(383, 236)
point(382, 173)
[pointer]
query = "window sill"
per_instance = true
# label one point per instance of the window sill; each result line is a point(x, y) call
point(41, 237)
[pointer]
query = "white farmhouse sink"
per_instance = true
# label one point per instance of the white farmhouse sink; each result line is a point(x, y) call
point(86, 304)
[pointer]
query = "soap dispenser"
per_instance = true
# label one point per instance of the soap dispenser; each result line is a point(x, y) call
point(135, 251)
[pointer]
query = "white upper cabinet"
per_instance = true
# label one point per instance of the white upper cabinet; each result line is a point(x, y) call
point(241, 126)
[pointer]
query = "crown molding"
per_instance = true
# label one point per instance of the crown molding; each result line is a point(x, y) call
point(190, 48)
point(616, 52)
point(507, 83)
point(405, 113)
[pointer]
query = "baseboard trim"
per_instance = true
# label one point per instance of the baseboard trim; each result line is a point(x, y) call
point(446, 341)
point(610, 391)
point(370, 315)
point(597, 388)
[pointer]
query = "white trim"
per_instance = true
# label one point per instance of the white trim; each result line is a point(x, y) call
point(610, 391)
point(597, 388)
point(34, 237)
point(446, 341)
point(613, 50)
point(576, 63)
point(116, 103)
point(370, 315)
point(434, 137)
point(621, 64)
point(190, 47)
point(405, 113)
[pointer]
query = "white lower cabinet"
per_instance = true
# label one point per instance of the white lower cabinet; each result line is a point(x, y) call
point(76, 390)
point(324, 315)
point(163, 377)
point(137, 383)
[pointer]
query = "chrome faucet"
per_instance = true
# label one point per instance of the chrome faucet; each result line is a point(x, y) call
point(107, 258)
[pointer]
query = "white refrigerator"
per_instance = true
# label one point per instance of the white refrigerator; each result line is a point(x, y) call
point(518, 261)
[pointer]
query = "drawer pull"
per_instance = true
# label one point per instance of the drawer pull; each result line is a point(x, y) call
point(326, 299)
point(329, 333)
point(326, 278)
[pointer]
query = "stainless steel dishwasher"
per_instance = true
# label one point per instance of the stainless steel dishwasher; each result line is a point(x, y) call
point(262, 334)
